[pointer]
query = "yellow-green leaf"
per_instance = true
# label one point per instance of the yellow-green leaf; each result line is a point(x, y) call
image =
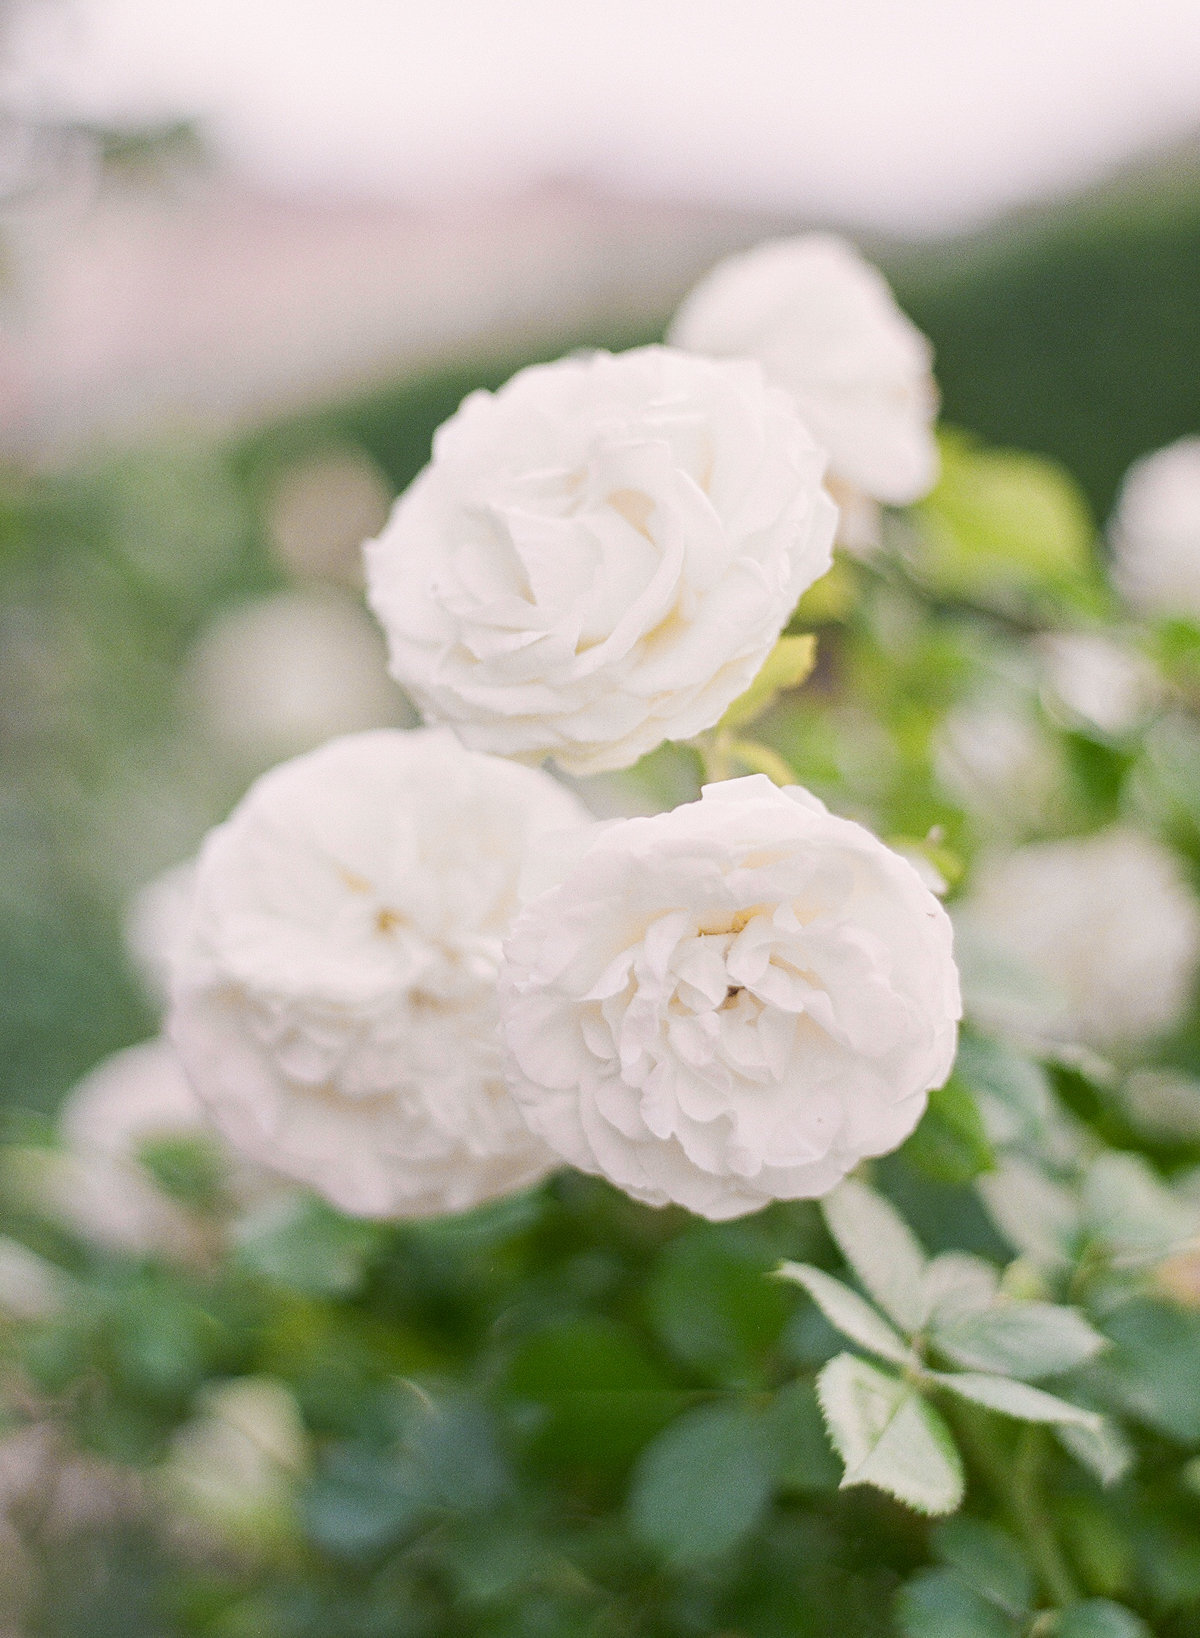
point(1000, 518)
point(786, 666)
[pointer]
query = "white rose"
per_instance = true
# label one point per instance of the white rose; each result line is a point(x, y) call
point(731, 1003)
point(1155, 532)
point(1103, 930)
point(134, 1098)
point(236, 1466)
point(335, 1008)
point(1094, 680)
point(996, 760)
point(824, 324)
point(275, 676)
point(601, 555)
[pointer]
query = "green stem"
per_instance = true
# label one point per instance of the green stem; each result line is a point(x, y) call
point(1014, 1476)
point(714, 755)
point(1036, 1528)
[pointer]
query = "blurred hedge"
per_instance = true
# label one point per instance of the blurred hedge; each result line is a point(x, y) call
point(1072, 330)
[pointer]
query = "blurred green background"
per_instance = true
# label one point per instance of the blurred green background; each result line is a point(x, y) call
point(1073, 330)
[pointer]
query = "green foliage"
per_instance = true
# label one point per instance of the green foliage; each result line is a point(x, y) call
point(787, 666)
point(1001, 525)
point(889, 1436)
point(939, 1604)
point(701, 1485)
point(951, 1143)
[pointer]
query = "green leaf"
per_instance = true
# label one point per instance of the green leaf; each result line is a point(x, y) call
point(1025, 1339)
point(956, 1284)
point(787, 666)
point(187, 1166)
point(1128, 1207)
point(1099, 1618)
point(701, 1486)
point(709, 1304)
point(881, 1249)
point(1000, 521)
point(1017, 1399)
point(850, 1313)
point(1152, 1366)
point(1011, 1092)
point(888, 1436)
point(799, 1445)
point(363, 1501)
point(1038, 1217)
point(600, 1395)
point(988, 1560)
point(950, 1144)
point(1104, 1451)
point(300, 1242)
point(937, 1604)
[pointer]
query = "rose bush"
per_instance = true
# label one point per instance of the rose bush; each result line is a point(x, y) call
point(601, 555)
point(564, 1410)
point(334, 1006)
point(731, 1003)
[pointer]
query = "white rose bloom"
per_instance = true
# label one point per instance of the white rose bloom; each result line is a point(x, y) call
point(731, 1003)
point(601, 555)
point(336, 1006)
point(1155, 532)
point(1104, 928)
point(824, 324)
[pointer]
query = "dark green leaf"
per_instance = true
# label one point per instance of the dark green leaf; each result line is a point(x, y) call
point(709, 1303)
point(1098, 1618)
point(701, 1487)
point(988, 1560)
point(600, 1395)
point(950, 1144)
point(937, 1604)
point(799, 1445)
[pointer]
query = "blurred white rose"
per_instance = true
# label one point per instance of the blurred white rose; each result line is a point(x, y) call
point(336, 1005)
point(30, 1287)
point(601, 555)
point(1155, 532)
point(1094, 680)
point(1105, 929)
point(235, 1467)
point(134, 1100)
point(730, 1003)
point(156, 925)
point(322, 509)
point(135, 1097)
point(992, 756)
point(824, 324)
point(282, 674)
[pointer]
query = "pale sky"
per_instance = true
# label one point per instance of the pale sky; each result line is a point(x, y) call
point(889, 113)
